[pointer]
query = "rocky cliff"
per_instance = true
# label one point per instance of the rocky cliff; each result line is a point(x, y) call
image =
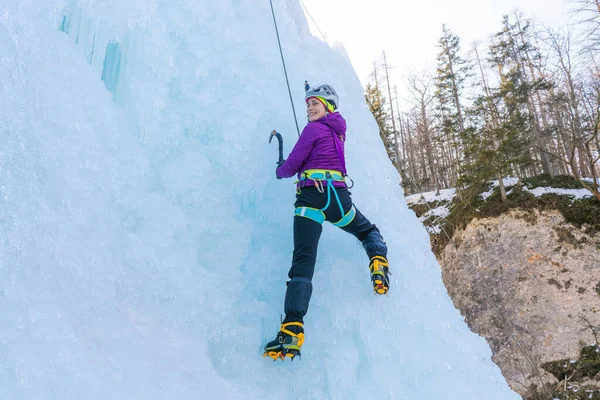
point(525, 274)
point(529, 282)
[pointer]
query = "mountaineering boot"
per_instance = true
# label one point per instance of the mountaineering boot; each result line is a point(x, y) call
point(287, 343)
point(379, 274)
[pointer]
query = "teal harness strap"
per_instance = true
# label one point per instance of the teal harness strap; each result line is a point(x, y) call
point(311, 213)
point(318, 215)
point(349, 217)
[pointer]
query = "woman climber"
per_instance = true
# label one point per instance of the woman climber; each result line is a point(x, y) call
point(322, 195)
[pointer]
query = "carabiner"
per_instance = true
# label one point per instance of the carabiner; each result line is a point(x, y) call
point(319, 185)
point(349, 187)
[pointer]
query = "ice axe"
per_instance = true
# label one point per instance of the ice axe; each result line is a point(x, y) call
point(280, 139)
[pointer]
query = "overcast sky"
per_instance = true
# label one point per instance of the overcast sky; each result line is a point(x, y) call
point(408, 30)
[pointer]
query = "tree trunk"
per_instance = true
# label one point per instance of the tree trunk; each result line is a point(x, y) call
point(502, 188)
point(412, 153)
point(531, 107)
point(562, 142)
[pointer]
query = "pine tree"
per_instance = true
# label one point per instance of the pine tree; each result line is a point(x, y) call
point(501, 146)
point(377, 105)
point(452, 72)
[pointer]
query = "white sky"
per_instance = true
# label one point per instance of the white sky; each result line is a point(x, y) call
point(409, 30)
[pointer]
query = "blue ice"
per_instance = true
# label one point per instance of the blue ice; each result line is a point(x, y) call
point(144, 239)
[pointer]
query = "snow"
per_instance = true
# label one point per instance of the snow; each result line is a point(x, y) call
point(448, 194)
point(507, 182)
point(440, 212)
point(144, 239)
point(575, 193)
point(444, 194)
point(443, 211)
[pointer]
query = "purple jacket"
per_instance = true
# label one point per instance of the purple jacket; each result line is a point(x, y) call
point(320, 146)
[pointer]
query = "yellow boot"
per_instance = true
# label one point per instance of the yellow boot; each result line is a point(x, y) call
point(380, 274)
point(287, 343)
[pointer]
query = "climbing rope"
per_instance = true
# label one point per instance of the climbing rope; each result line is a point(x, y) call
point(313, 20)
point(450, 240)
point(284, 69)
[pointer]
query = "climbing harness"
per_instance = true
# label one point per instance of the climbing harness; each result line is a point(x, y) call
point(318, 214)
point(322, 178)
point(320, 175)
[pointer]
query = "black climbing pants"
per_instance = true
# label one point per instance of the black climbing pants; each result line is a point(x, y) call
point(306, 240)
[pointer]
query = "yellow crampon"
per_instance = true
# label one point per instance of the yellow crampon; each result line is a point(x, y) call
point(280, 355)
point(379, 271)
point(287, 350)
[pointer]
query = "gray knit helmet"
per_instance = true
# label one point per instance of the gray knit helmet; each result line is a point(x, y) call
point(325, 91)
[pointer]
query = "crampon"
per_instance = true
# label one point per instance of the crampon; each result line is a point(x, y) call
point(287, 343)
point(282, 354)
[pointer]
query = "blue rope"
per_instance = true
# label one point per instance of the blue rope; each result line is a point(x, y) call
point(339, 202)
point(328, 198)
point(330, 187)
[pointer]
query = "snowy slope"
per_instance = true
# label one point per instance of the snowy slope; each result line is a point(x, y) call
point(443, 200)
point(144, 239)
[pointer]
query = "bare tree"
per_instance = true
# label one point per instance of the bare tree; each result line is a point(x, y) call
point(421, 89)
point(533, 106)
point(581, 142)
point(587, 14)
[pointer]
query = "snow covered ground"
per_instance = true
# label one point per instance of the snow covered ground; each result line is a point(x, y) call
point(446, 195)
point(575, 193)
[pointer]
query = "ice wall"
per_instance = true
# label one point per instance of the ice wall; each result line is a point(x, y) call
point(144, 239)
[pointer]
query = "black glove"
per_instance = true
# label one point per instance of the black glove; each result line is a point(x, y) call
point(279, 163)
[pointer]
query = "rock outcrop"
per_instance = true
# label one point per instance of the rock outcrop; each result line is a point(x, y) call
point(529, 282)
